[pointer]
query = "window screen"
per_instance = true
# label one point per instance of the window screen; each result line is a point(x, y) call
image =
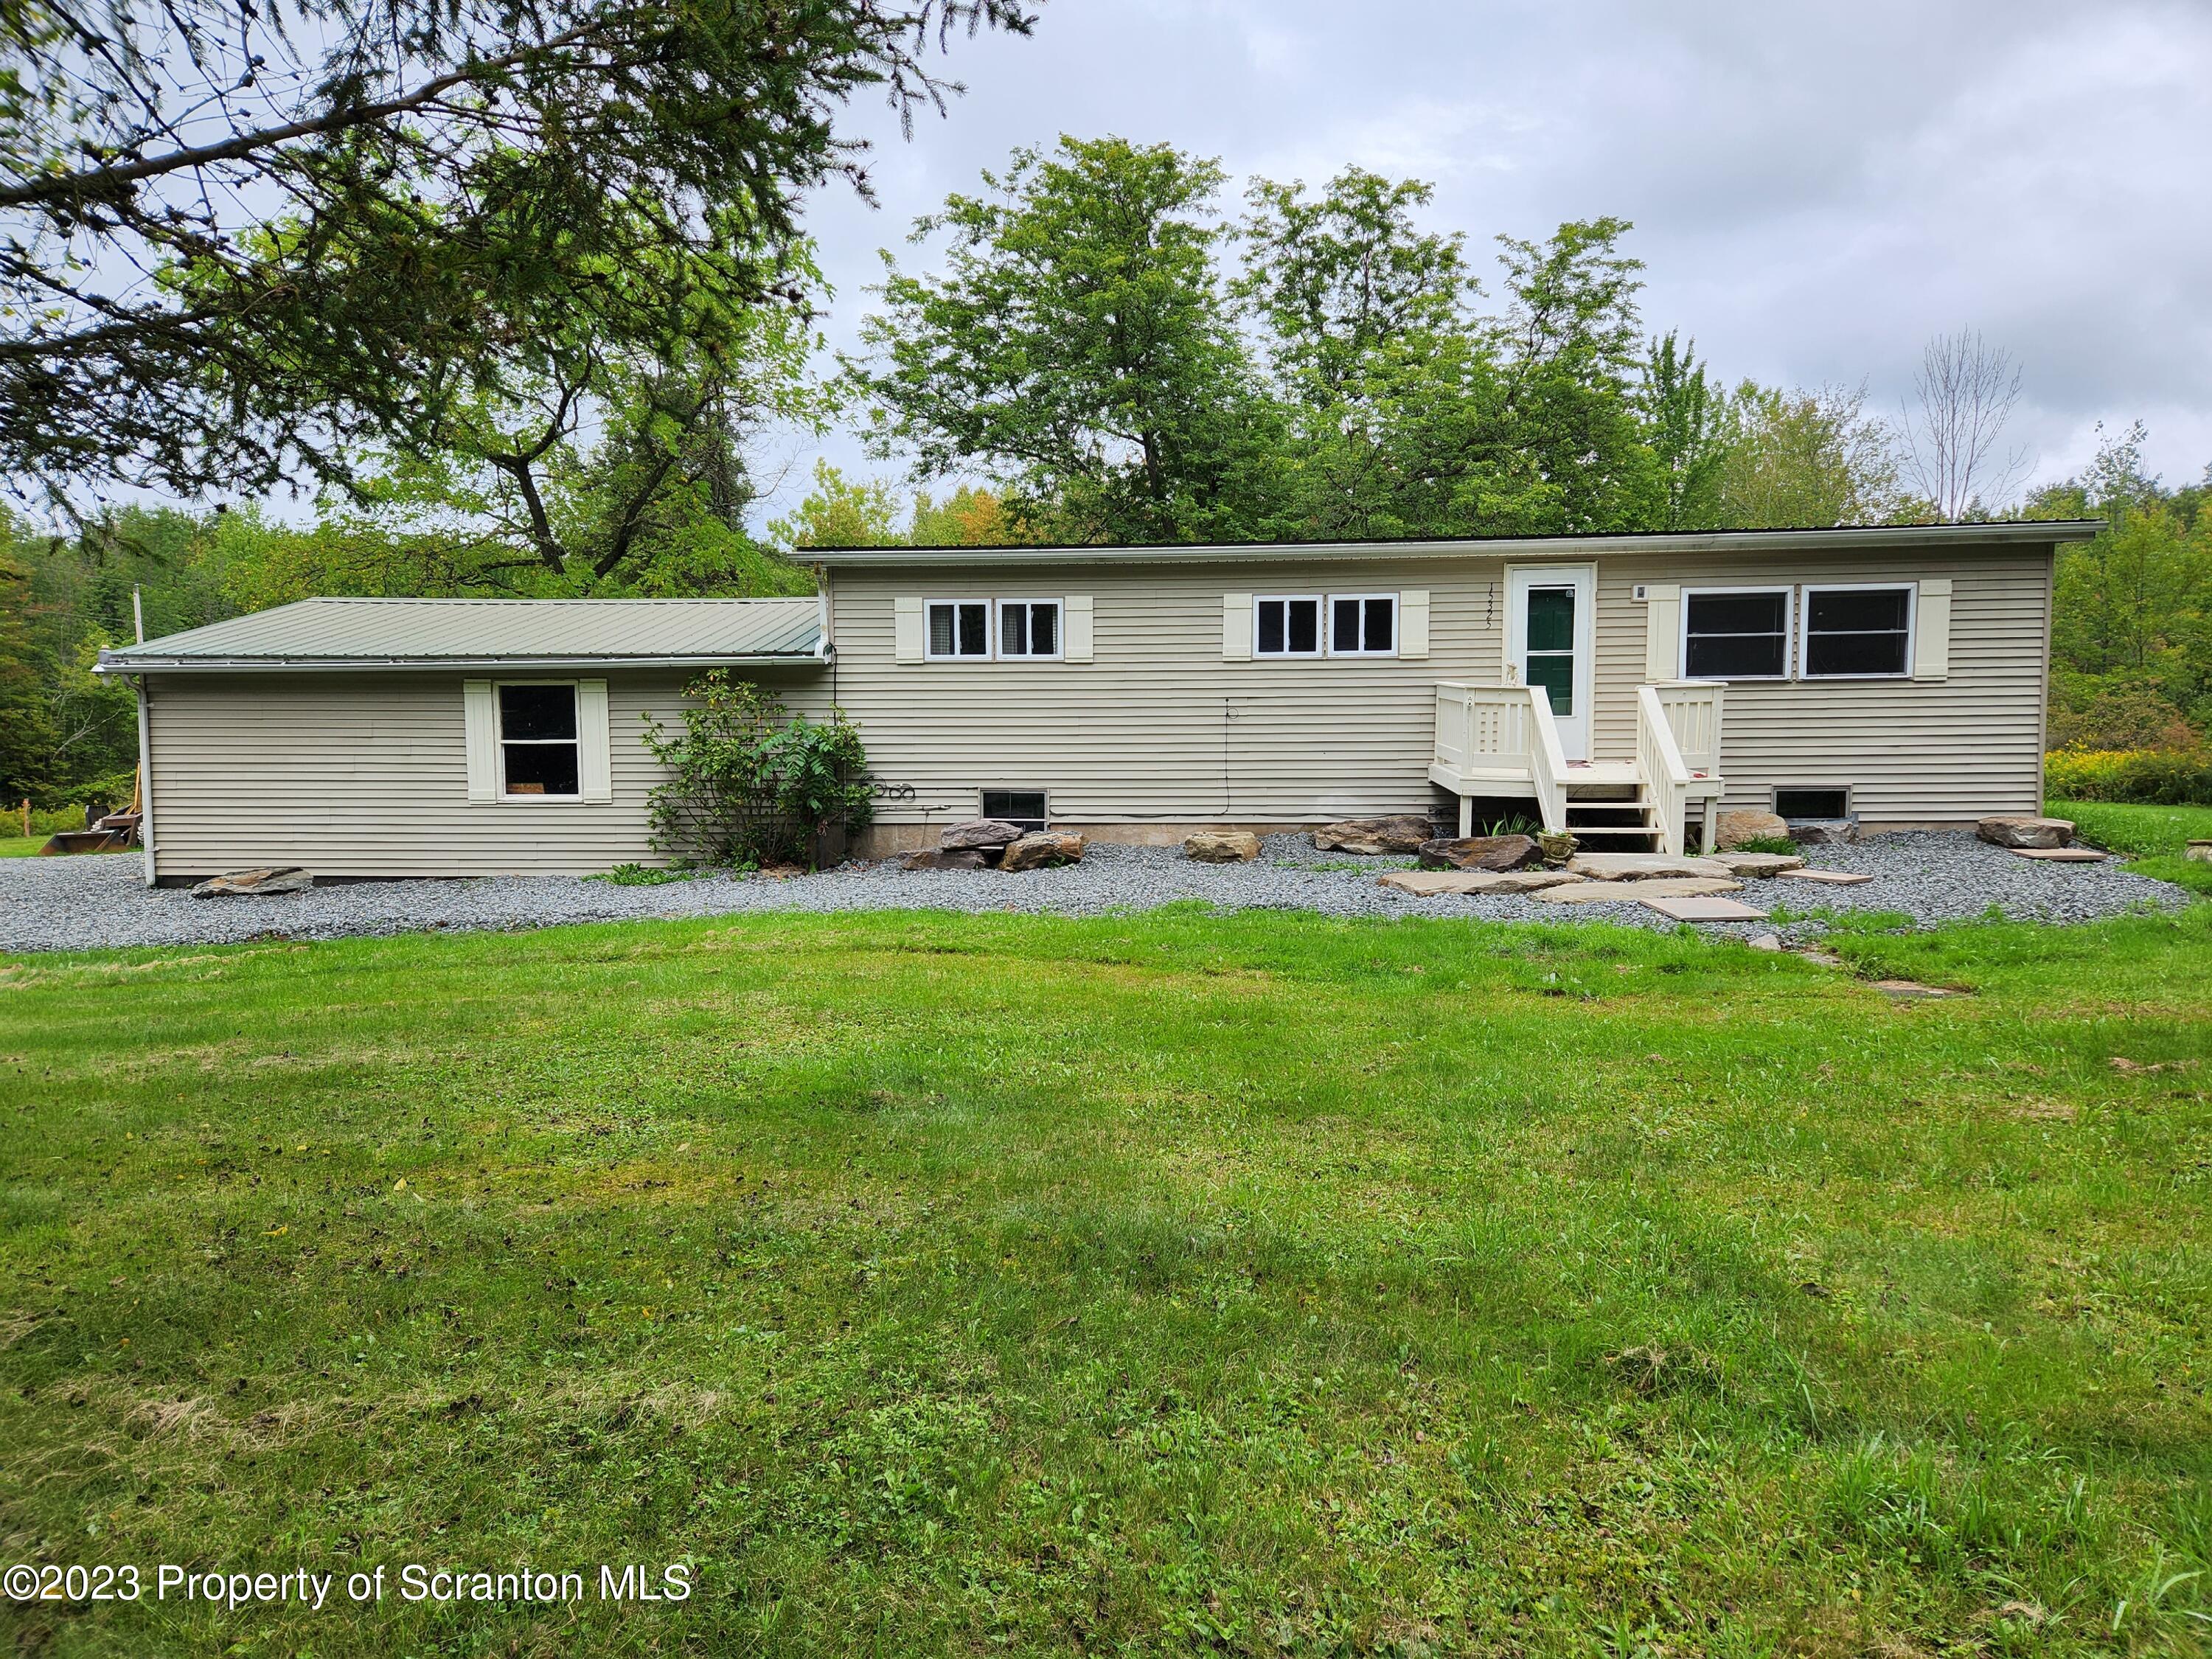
point(959, 628)
point(1364, 625)
point(1729, 636)
point(1025, 807)
point(1028, 627)
point(1857, 630)
point(1288, 628)
point(537, 740)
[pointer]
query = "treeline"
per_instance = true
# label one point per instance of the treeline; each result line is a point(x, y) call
point(1105, 351)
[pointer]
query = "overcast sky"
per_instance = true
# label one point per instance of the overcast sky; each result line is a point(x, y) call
point(1817, 187)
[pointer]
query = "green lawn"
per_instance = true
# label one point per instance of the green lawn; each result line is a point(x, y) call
point(21, 846)
point(2154, 835)
point(1180, 1284)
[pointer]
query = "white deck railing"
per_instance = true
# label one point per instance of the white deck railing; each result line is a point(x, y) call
point(1666, 775)
point(1693, 713)
point(1502, 740)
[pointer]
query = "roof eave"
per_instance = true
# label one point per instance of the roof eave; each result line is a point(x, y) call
point(2010, 533)
point(127, 661)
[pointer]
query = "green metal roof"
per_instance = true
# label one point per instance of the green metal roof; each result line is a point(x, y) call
point(492, 633)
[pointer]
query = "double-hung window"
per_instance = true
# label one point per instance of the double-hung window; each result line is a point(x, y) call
point(1286, 627)
point(1735, 633)
point(1363, 624)
point(538, 741)
point(1864, 631)
point(1028, 627)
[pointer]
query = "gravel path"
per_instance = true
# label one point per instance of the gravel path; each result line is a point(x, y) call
point(78, 903)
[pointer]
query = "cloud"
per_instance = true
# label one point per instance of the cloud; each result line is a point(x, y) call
point(1818, 187)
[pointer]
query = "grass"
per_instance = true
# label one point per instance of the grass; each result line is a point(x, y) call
point(2153, 836)
point(20, 847)
point(1182, 1283)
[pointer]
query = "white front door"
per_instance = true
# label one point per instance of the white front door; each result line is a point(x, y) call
point(1551, 641)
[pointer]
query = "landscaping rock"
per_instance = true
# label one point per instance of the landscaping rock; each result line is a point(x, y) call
point(1703, 909)
point(1613, 892)
point(1732, 828)
point(1643, 867)
point(1759, 865)
point(938, 858)
point(2201, 850)
point(1557, 845)
point(1221, 846)
point(1765, 941)
point(2058, 854)
point(1430, 884)
point(1478, 853)
point(1829, 877)
point(1372, 836)
point(979, 833)
point(1043, 849)
point(2024, 832)
point(241, 883)
point(1825, 832)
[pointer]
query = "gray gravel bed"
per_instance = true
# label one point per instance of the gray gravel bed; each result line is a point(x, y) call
point(86, 902)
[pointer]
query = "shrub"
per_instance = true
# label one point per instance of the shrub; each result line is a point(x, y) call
point(1781, 844)
point(2149, 777)
point(752, 784)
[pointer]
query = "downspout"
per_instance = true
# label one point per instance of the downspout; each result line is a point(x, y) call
point(145, 783)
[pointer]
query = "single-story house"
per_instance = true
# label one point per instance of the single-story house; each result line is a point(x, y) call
point(1634, 684)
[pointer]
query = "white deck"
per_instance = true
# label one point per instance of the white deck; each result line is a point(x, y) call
point(1501, 740)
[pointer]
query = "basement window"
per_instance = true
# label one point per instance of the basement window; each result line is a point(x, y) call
point(1735, 633)
point(1023, 807)
point(1798, 806)
point(1286, 627)
point(537, 752)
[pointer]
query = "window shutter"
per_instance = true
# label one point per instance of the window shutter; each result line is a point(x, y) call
point(594, 763)
point(907, 630)
point(1662, 631)
point(480, 727)
point(1414, 622)
point(1075, 620)
point(1931, 630)
point(1237, 627)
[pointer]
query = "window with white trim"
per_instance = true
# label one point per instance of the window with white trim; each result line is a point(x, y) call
point(1028, 627)
point(1287, 626)
point(960, 629)
point(1861, 631)
point(1735, 633)
point(1363, 624)
point(538, 752)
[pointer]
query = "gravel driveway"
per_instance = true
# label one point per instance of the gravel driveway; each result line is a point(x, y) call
point(48, 904)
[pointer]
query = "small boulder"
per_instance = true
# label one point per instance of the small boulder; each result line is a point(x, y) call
point(1221, 846)
point(1042, 850)
point(1478, 853)
point(1372, 836)
point(1824, 832)
point(240, 884)
point(2024, 832)
point(938, 857)
point(1732, 828)
point(1759, 865)
point(2200, 851)
point(979, 833)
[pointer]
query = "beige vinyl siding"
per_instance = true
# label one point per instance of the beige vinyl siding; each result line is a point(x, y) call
point(1162, 726)
point(367, 774)
point(1912, 751)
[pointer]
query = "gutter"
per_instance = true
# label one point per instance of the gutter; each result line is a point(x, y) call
point(132, 662)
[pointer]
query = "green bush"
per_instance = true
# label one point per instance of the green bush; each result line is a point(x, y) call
point(750, 784)
point(2148, 777)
